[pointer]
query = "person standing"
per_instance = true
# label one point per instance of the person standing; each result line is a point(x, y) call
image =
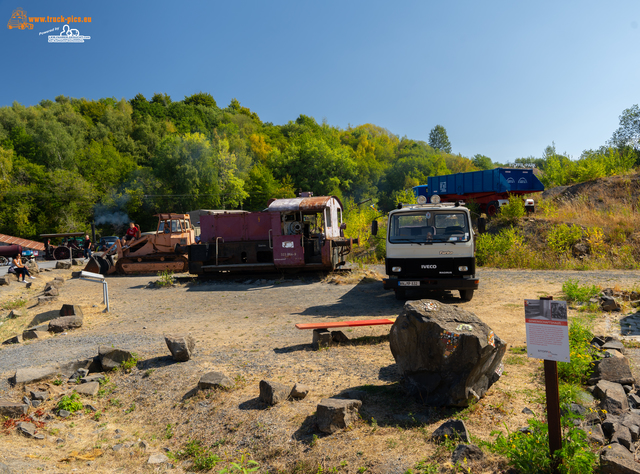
point(21, 269)
point(86, 245)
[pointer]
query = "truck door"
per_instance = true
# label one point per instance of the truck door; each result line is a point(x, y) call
point(287, 249)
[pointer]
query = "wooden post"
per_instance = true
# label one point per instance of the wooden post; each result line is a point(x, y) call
point(553, 405)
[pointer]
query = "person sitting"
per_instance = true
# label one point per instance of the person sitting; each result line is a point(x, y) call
point(167, 227)
point(132, 233)
point(21, 269)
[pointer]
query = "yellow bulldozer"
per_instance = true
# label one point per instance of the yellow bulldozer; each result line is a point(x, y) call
point(163, 250)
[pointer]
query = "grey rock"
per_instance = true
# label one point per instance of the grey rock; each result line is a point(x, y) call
point(91, 407)
point(39, 436)
point(12, 410)
point(30, 375)
point(339, 337)
point(615, 345)
point(597, 340)
point(622, 435)
point(272, 393)
point(14, 340)
point(5, 280)
point(612, 397)
point(117, 447)
point(143, 445)
point(31, 334)
point(89, 389)
point(616, 459)
point(452, 429)
point(52, 292)
point(77, 261)
point(333, 414)
point(443, 362)
point(613, 369)
point(92, 378)
point(157, 459)
point(36, 395)
point(215, 380)
point(181, 346)
point(299, 391)
point(527, 411)
point(36, 403)
point(111, 357)
point(595, 434)
point(79, 374)
point(321, 338)
point(4, 469)
point(65, 323)
point(613, 353)
point(609, 425)
point(27, 429)
point(71, 310)
point(15, 314)
point(61, 265)
point(468, 452)
point(26, 401)
point(68, 368)
point(608, 303)
point(46, 299)
point(64, 414)
point(627, 388)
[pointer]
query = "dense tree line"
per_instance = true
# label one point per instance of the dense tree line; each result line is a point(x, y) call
point(68, 162)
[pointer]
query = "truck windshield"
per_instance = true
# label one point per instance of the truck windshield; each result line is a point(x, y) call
point(429, 226)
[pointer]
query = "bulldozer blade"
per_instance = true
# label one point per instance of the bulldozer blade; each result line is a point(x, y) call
point(93, 266)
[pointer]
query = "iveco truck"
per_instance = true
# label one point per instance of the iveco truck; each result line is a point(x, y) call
point(430, 247)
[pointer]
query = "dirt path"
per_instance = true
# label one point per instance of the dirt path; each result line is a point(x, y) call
point(246, 328)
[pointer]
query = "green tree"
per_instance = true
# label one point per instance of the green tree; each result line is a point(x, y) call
point(201, 98)
point(439, 140)
point(482, 162)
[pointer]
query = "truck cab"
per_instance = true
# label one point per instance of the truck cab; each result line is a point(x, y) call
point(431, 247)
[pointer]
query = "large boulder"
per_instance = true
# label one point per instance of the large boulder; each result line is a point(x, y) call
point(446, 354)
point(612, 397)
point(613, 369)
point(273, 393)
point(111, 357)
point(181, 346)
point(65, 323)
point(333, 414)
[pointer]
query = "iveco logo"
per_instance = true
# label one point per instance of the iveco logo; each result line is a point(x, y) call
point(446, 252)
point(425, 267)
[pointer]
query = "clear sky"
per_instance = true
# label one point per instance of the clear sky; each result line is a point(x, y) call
point(504, 78)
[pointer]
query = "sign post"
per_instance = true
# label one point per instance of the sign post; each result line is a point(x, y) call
point(548, 339)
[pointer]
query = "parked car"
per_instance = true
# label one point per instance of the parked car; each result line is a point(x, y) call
point(106, 242)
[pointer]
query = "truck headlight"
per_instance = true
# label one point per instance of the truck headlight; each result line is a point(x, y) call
point(396, 269)
point(463, 269)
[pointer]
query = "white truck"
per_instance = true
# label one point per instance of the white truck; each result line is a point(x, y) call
point(430, 247)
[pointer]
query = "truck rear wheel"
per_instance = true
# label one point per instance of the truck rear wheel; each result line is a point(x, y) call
point(466, 295)
point(492, 208)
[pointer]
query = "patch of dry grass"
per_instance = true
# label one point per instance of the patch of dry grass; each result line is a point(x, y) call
point(356, 275)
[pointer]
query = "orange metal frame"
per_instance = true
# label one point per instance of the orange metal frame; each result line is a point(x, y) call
point(346, 324)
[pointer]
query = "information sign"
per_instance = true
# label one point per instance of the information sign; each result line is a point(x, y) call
point(547, 330)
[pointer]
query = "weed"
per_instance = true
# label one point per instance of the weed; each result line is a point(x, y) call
point(579, 293)
point(166, 278)
point(71, 403)
point(97, 415)
point(168, 431)
point(562, 237)
point(14, 304)
point(520, 350)
point(58, 381)
point(148, 372)
point(130, 363)
point(425, 467)
point(115, 402)
point(515, 360)
point(582, 354)
point(244, 465)
point(314, 441)
point(131, 408)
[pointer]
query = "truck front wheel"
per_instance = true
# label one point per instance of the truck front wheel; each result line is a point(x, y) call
point(466, 295)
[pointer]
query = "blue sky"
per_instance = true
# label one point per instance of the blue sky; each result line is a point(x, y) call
point(504, 78)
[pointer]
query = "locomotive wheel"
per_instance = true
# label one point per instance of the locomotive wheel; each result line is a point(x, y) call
point(4, 261)
point(61, 253)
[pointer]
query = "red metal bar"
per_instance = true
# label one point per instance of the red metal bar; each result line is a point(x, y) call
point(345, 324)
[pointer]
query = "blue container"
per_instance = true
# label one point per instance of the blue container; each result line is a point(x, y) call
point(495, 181)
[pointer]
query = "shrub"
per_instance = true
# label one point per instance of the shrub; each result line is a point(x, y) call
point(582, 353)
point(166, 278)
point(562, 237)
point(491, 249)
point(71, 403)
point(513, 210)
point(579, 293)
point(528, 453)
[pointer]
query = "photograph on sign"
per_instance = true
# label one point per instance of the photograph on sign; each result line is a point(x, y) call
point(547, 330)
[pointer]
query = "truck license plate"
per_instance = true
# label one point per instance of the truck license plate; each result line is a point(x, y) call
point(408, 283)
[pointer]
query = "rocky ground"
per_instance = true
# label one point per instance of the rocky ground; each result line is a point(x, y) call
point(244, 328)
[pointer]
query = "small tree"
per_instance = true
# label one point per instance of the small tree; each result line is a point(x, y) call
point(438, 139)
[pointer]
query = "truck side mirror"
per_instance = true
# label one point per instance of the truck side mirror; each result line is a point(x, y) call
point(374, 228)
